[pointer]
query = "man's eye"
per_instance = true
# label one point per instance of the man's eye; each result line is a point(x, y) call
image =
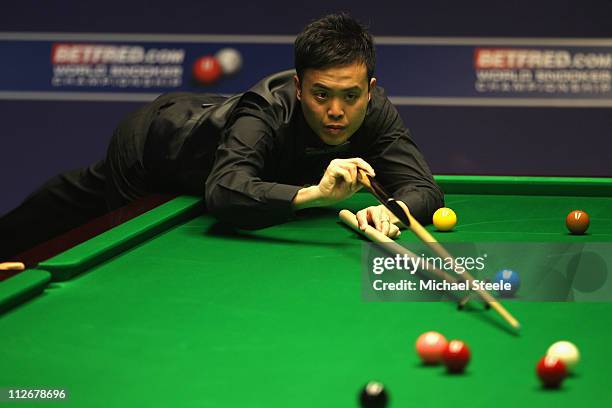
point(320, 95)
point(351, 97)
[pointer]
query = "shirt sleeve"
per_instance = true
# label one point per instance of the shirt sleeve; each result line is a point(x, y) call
point(401, 167)
point(235, 192)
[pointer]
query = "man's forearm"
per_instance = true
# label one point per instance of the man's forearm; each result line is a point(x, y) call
point(422, 202)
point(308, 197)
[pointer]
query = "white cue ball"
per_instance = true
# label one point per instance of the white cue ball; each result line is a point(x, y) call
point(230, 60)
point(566, 352)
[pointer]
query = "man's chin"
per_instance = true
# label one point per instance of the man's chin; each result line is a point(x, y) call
point(333, 140)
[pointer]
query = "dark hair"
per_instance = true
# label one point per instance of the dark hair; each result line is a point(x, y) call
point(335, 39)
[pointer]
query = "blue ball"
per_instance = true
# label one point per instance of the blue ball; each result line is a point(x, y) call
point(507, 275)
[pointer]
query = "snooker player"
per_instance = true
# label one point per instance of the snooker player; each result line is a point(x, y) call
point(295, 140)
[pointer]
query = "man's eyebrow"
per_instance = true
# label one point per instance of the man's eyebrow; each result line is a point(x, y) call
point(351, 88)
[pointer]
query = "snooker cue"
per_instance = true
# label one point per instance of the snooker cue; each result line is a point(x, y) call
point(426, 237)
point(431, 242)
point(414, 226)
point(376, 236)
point(12, 266)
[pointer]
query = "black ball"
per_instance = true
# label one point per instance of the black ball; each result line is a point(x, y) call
point(373, 395)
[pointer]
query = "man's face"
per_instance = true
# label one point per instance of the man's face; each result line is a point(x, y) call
point(334, 100)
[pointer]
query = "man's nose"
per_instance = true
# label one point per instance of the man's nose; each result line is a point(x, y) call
point(335, 110)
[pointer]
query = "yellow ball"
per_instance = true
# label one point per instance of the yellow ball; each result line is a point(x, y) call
point(444, 219)
point(566, 352)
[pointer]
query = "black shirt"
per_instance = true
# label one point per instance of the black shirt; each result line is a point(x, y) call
point(248, 155)
point(267, 152)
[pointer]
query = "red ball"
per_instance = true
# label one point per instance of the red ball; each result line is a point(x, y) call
point(577, 222)
point(551, 371)
point(456, 356)
point(430, 346)
point(207, 70)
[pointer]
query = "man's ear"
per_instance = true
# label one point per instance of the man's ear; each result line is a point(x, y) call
point(372, 86)
point(298, 87)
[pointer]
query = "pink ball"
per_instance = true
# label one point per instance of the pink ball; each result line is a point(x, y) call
point(430, 346)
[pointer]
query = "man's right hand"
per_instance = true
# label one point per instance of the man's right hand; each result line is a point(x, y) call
point(339, 182)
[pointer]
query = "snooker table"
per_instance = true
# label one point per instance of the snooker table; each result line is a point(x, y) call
point(173, 309)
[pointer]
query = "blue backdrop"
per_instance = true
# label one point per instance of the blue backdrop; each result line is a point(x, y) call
point(426, 63)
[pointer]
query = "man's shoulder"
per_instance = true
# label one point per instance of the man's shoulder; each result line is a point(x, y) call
point(380, 108)
point(379, 99)
point(272, 84)
point(273, 96)
point(382, 122)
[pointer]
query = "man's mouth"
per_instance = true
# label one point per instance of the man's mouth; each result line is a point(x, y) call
point(334, 128)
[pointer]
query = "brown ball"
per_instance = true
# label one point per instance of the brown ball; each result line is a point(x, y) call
point(577, 222)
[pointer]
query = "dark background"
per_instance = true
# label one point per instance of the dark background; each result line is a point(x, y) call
point(39, 138)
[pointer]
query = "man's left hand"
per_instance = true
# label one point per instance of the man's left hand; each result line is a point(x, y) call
point(380, 218)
